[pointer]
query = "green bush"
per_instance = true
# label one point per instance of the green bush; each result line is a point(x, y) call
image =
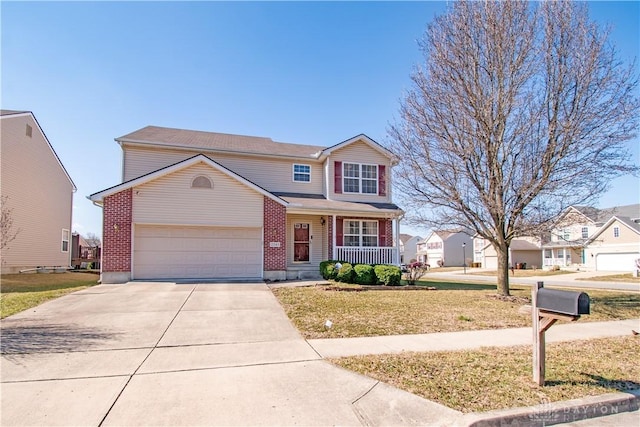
point(388, 275)
point(364, 274)
point(328, 270)
point(345, 273)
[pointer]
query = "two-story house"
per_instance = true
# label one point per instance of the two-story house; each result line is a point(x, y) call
point(209, 205)
point(591, 238)
point(37, 196)
point(409, 248)
point(446, 248)
point(524, 252)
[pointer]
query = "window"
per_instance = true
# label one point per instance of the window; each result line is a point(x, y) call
point(360, 233)
point(616, 232)
point(585, 232)
point(65, 240)
point(434, 245)
point(359, 178)
point(301, 173)
point(566, 234)
point(201, 182)
point(548, 254)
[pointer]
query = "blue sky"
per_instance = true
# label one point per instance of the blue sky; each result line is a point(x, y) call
point(301, 72)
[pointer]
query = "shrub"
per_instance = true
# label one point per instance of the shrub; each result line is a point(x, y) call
point(415, 271)
point(388, 275)
point(345, 273)
point(364, 274)
point(328, 270)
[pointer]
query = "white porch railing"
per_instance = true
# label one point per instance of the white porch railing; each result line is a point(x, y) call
point(550, 262)
point(367, 255)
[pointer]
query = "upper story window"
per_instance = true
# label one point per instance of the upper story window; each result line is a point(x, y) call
point(201, 181)
point(301, 173)
point(360, 178)
point(616, 231)
point(566, 234)
point(585, 232)
point(434, 245)
point(360, 233)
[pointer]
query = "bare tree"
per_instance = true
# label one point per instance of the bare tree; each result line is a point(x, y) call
point(7, 232)
point(93, 240)
point(518, 112)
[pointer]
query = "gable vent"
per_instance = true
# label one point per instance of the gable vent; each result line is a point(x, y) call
point(29, 131)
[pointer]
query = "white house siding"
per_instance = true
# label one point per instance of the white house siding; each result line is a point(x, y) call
point(40, 194)
point(359, 152)
point(317, 233)
point(171, 200)
point(269, 173)
point(608, 253)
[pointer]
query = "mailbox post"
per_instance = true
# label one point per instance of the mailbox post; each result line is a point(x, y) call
point(547, 307)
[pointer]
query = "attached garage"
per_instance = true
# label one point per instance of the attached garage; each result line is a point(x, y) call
point(616, 261)
point(174, 252)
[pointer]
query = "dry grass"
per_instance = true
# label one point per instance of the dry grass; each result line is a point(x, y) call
point(626, 278)
point(453, 307)
point(498, 378)
point(20, 292)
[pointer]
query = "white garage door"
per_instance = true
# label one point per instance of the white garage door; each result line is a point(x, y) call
point(491, 262)
point(616, 262)
point(167, 252)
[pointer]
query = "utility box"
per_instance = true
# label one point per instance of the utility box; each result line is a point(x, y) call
point(563, 302)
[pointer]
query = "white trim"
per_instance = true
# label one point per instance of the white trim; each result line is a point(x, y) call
point(362, 137)
point(293, 173)
point(293, 241)
point(200, 158)
point(361, 235)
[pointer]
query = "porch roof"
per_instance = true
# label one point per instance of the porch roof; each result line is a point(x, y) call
point(317, 203)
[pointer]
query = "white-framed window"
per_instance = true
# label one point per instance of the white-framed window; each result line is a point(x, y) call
point(566, 234)
point(616, 231)
point(301, 173)
point(585, 232)
point(65, 240)
point(360, 233)
point(359, 178)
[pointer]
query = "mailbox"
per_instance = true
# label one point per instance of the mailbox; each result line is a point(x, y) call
point(564, 302)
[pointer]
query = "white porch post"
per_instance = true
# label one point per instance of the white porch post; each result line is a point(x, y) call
point(333, 236)
point(397, 227)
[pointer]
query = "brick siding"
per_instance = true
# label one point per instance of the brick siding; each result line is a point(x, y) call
point(275, 230)
point(116, 232)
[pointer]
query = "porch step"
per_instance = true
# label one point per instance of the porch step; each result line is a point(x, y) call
point(303, 272)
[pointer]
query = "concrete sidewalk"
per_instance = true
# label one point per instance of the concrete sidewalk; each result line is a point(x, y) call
point(448, 341)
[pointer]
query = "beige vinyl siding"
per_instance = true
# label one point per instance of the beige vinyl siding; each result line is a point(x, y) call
point(171, 200)
point(626, 235)
point(40, 194)
point(269, 173)
point(359, 152)
point(318, 237)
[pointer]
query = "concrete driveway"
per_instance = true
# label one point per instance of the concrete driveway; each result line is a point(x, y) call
point(183, 354)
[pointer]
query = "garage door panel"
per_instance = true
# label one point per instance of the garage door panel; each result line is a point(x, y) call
point(616, 261)
point(166, 252)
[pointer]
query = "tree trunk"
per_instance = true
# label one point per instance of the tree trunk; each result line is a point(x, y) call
point(503, 271)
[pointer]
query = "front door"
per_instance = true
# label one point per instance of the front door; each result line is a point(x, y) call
point(301, 242)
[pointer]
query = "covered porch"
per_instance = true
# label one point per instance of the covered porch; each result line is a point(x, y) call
point(319, 229)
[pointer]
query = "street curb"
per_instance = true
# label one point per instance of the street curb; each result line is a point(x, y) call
point(547, 414)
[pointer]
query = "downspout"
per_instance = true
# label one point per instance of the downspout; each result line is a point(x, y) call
point(397, 221)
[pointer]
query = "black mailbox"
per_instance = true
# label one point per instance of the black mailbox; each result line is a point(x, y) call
point(565, 302)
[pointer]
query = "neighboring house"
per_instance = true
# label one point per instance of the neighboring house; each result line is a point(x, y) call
point(572, 237)
point(209, 205)
point(615, 246)
point(449, 248)
point(83, 253)
point(39, 192)
point(524, 252)
point(408, 248)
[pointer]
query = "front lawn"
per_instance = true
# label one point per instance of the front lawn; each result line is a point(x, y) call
point(500, 378)
point(524, 273)
point(19, 292)
point(452, 307)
